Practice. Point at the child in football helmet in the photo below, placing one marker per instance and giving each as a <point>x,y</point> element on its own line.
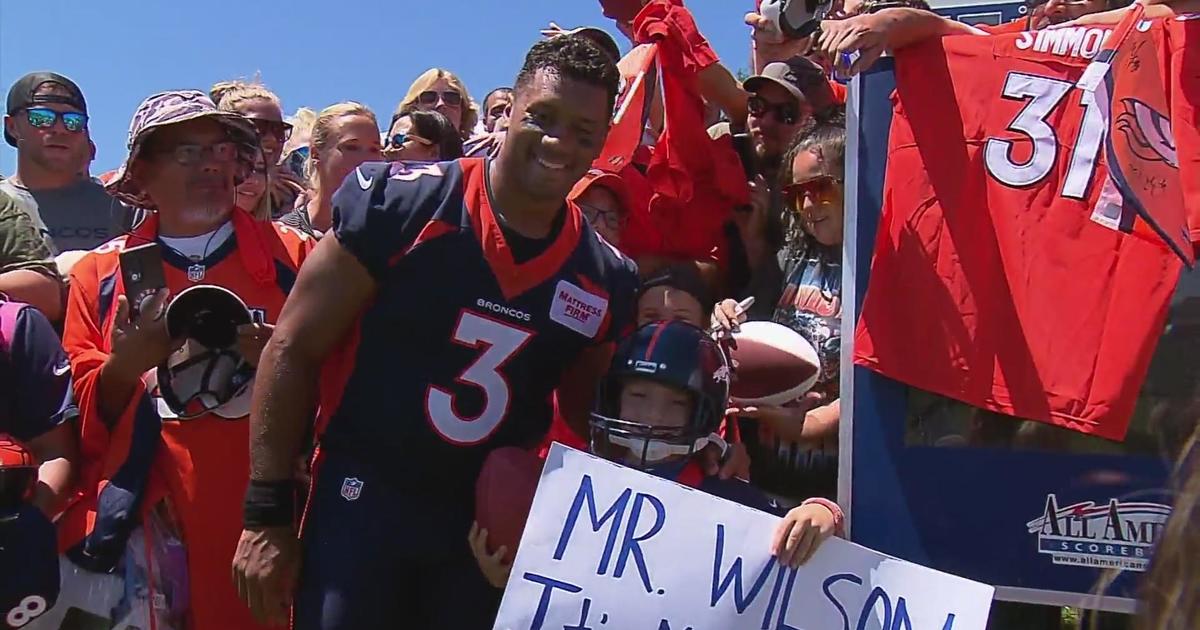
<point>658,407</point>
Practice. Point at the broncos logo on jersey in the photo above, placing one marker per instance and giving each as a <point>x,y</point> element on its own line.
<point>1140,148</point>
<point>1147,132</point>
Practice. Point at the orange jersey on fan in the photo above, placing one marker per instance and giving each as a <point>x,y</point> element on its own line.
<point>201,466</point>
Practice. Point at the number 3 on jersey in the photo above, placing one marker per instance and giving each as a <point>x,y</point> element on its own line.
<point>499,342</point>
<point>1044,94</point>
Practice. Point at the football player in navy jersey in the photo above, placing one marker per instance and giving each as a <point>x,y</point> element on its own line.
<point>453,301</point>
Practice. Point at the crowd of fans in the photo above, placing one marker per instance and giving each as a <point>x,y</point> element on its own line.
<point>778,138</point>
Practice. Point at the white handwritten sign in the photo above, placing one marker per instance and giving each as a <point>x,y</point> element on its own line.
<point>610,547</point>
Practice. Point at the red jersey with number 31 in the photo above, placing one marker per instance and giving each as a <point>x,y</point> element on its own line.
<point>994,281</point>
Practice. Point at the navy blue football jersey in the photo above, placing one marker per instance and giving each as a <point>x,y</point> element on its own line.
<point>463,344</point>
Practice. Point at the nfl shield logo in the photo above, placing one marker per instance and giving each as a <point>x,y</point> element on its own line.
<point>351,488</point>
<point>196,273</point>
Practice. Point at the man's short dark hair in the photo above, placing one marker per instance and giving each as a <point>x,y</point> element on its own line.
<point>499,90</point>
<point>574,58</point>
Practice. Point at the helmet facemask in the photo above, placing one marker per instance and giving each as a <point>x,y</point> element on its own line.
<point>208,374</point>
<point>683,359</point>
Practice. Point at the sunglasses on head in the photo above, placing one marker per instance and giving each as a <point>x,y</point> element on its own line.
<point>44,118</point>
<point>430,97</point>
<point>276,128</point>
<point>296,159</point>
<point>398,140</point>
<point>787,113</point>
<point>819,187</point>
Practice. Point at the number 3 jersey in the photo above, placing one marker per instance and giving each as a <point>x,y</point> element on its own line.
<point>994,281</point>
<point>471,328</point>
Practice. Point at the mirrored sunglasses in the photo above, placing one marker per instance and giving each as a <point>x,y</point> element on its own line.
<point>821,187</point>
<point>398,140</point>
<point>44,118</point>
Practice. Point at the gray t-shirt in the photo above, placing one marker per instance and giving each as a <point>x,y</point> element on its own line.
<point>79,216</point>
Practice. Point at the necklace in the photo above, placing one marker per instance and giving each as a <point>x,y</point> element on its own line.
<point>197,269</point>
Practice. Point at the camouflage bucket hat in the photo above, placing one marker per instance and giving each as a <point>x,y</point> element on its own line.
<point>170,108</point>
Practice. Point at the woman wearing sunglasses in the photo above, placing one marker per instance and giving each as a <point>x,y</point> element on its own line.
<point>262,107</point>
<point>793,448</point>
<point>441,91</point>
<point>422,137</point>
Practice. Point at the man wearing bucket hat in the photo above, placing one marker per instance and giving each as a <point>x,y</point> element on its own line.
<point>168,385</point>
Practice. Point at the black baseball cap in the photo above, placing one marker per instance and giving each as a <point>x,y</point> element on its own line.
<point>801,77</point>
<point>682,277</point>
<point>22,95</point>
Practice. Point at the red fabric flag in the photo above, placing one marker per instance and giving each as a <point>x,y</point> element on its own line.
<point>692,183</point>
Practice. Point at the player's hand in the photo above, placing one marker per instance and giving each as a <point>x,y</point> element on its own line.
<point>266,567</point>
<point>800,533</point>
<point>251,340</point>
<point>786,422</point>
<point>140,342</point>
<point>867,35</point>
<point>495,567</point>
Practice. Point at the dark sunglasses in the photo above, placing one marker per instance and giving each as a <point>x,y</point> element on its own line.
<point>44,118</point>
<point>787,113</point>
<point>277,128</point>
<point>820,187</point>
<point>430,97</point>
<point>398,140</point>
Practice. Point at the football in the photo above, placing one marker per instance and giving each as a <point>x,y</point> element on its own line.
<point>773,364</point>
<point>504,494</point>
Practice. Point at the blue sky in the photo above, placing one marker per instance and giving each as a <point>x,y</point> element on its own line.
<point>312,53</point>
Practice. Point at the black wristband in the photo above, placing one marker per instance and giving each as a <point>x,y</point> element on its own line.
<point>269,504</point>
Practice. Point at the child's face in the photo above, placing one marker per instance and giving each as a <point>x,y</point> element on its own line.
<point>654,404</point>
<point>668,303</point>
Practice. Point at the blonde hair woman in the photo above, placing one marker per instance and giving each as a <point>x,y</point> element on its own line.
<point>441,91</point>
<point>254,101</point>
<point>268,190</point>
<point>343,136</point>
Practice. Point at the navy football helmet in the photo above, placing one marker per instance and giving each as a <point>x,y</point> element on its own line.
<point>676,354</point>
<point>207,374</point>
